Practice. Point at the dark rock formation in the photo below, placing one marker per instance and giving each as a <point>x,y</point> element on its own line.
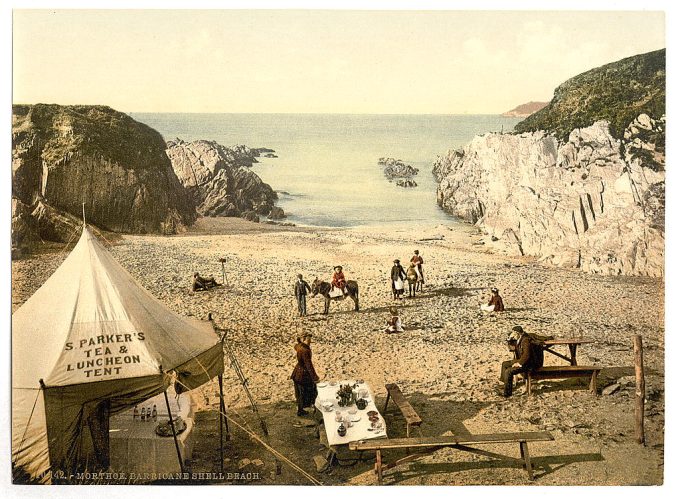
<point>407,183</point>
<point>218,179</point>
<point>594,200</point>
<point>396,168</point>
<point>63,156</point>
<point>250,215</point>
<point>277,213</point>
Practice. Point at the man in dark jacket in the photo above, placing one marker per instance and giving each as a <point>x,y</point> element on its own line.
<point>301,288</point>
<point>528,355</point>
<point>304,376</point>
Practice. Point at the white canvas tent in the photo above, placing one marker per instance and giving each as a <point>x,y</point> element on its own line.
<point>90,342</point>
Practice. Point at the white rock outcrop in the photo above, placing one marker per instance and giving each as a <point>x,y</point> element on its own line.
<point>594,202</point>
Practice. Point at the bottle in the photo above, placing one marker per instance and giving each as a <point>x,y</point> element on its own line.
<point>143,413</point>
<point>154,413</point>
<point>148,413</point>
<point>135,413</point>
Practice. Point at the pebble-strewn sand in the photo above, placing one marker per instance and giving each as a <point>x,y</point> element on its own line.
<point>447,361</point>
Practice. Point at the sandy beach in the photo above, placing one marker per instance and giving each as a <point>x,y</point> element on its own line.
<point>446,362</point>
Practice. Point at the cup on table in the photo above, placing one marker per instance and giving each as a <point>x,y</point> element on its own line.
<point>363,393</point>
<point>338,416</point>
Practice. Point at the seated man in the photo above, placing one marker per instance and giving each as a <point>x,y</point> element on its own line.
<point>495,303</point>
<point>203,284</point>
<point>528,355</point>
<point>338,280</point>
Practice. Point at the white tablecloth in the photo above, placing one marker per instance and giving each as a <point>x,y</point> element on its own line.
<point>358,430</point>
<point>136,448</point>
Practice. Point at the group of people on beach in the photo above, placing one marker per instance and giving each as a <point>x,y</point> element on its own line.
<point>413,276</point>
<point>526,349</point>
<point>527,353</point>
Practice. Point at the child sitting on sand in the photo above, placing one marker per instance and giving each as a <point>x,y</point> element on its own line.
<point>495,303</point>
<point>394,323</point>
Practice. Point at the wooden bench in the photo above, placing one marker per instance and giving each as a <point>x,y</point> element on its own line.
<point>561,372</point>
<point>409,413</point>
<point>431,444</point>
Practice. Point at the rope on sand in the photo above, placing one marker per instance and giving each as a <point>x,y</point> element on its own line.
<point>276,453</point>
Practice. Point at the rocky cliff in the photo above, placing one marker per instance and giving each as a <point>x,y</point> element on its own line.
<point>219,181</point>
<point>594,200</point>
<point>63,156</point>
<point>616,92</point>
<point>524,110</point>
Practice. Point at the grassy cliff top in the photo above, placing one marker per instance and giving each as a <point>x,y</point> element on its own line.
<point>89,130</point>
<point>617,92</point>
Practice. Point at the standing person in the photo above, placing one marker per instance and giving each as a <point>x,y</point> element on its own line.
<point>397,277</point>
<point>304,376</point>
<point>301,288</point>
<point>338,281</point>
<point>528,355</point>
<point>417,260</point>
<point>495,303</point>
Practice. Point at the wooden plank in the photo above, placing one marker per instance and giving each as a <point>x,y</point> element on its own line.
<point>557,354</point>
<point>420,442</point>
<point>411,416</point>
<point>550,369</point>
<point>564,375</point>
<point>639,390</point>
<point>566,341</point>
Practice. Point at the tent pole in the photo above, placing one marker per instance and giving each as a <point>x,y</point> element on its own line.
<point>219,416</point>
<point>174,433</point>
<point>223,406</point>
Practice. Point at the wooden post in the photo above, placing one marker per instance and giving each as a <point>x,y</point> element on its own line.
<point>174,433</point>
<point>639,390</point>
<point>524,452</point>
<point>224,275</point>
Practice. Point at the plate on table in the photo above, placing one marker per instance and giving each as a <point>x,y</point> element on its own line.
<point>355,418</point>
<point>333,383</point>
<point>322,385</point>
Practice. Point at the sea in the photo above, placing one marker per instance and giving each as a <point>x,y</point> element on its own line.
<point>327,173</point>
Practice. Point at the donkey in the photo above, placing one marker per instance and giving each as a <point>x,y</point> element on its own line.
<point>413,283</point>
<point>324,288</point>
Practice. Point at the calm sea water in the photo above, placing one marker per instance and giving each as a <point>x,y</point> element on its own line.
<point>326,172</point>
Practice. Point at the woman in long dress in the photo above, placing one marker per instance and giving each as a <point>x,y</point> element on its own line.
<point>397,276</point>
<point>304,376</point>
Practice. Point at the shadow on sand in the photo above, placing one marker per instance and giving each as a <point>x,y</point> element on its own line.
<point>298,440</point>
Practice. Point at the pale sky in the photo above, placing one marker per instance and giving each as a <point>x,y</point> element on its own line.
<point>299,61</point>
